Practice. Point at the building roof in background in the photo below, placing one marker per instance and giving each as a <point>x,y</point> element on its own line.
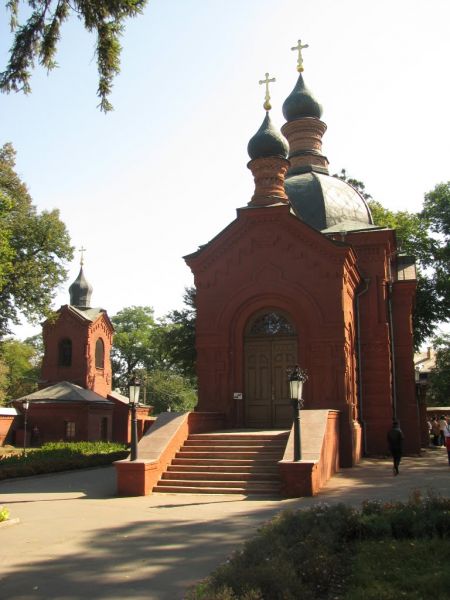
<point>64,391</point>
<point>425,361</point>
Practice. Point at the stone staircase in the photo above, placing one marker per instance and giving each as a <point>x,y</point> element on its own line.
<point>228,462</point>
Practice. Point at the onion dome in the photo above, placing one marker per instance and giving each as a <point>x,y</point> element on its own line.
<point>301,103</point>
<point>327,203</point>
<point>268,141</point>
<point>80,291</point>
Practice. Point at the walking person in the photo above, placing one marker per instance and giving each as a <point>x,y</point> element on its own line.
<point>447,439</point>
<point>442,426</point>
<point>395,442</point>
<point>436,430</point>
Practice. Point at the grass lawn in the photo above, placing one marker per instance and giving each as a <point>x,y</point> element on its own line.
<point>393,569</point>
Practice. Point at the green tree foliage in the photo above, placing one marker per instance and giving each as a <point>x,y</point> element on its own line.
<point>37,38</point>
<point>34,248</point>
<point>162,355</point>
<point>135,343</point>
<point>3,381</point>
<point>177,337</point>
<point>23,370</point>
<point>426,236</point>
<point>439,377</point>
<point>167,390</point>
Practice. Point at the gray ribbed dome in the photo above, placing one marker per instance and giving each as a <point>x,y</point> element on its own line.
<point>325,202</point>
<point>268,141</point>
<point>80,291</point>
<point>301,103</point>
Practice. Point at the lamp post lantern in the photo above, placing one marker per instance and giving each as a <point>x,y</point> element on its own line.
<point>25,406</point>
<point>133,394</point>
<point>297,377</point>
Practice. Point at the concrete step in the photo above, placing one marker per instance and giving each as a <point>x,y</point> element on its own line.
<point>226,442</point>
<point>218,476</point>
<point>239,454</point>
<point>226,463</point>
<point>221,467</point>
<point>235,462</point>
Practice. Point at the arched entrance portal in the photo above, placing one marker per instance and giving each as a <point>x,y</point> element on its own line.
<point>270,349</point>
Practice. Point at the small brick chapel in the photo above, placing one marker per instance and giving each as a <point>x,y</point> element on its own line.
<point>75,401</point>
<point>304,276</point>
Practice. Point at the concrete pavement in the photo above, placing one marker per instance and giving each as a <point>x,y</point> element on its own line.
<point>76,539</point>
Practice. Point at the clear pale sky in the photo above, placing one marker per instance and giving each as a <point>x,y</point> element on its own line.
<point>165,172</point>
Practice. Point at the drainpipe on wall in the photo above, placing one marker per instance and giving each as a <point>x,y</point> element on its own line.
<point>358,353</point>
<point>391,336</point>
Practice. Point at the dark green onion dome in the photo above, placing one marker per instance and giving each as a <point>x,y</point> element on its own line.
<point>268,141</point>
<point>301,103</point>
<point>80,291</point>
<point>327,203</point>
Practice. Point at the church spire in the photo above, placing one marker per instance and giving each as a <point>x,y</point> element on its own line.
<point>268,150</point>
<point>81,290</point>
<point>304,129</point>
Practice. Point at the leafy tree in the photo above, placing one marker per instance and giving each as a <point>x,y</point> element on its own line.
<point>34,248</point>
<point>426,236</point>
<point>167,390</point>
<point>439,377</point>
<point>22,370</point>
<point>178,337</point>
<point>135,344</point>
<point>38,37</point>
<point>3,381</point>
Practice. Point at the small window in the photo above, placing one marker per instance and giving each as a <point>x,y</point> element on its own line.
<point>99,354</point>
<point>65,353</point>
<point>70,430</point>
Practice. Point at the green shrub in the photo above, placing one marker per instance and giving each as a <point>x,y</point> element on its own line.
<point>312,554</point>
<point>61,456</point>
<point>4,513</point>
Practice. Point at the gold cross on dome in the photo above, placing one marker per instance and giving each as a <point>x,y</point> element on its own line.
<point>82,250</point>
<point>267,104</point>
<point>299,47</point>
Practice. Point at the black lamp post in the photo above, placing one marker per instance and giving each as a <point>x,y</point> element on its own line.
<point>296,379</point>
<point>133,394</point>
<point>25,405</point>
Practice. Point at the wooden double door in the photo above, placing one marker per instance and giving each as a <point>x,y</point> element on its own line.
<point>267,402</point>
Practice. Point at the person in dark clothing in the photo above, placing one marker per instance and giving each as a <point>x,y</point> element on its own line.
<point>395,442</point>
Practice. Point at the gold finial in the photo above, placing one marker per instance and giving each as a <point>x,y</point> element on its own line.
<point>267,104</point>
<point>82,250</point>
<point>299,48</point>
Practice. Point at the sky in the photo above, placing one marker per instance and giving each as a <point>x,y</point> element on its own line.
<point>145,185</point>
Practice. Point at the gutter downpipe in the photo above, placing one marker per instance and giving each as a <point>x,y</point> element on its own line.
<point>391,335</point>
<point>358,344</point>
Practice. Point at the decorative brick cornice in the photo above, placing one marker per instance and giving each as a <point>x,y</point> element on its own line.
<point>305,142</point>
<point>269,174</point>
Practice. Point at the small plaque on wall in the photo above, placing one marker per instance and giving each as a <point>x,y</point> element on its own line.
<point>237,395</point>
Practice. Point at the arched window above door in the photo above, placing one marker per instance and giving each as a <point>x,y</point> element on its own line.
<point>270,323</point>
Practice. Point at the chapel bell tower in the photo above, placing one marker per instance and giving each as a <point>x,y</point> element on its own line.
<point>77,343</point>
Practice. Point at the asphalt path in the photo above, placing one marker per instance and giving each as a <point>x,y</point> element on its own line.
<point>76,539</point>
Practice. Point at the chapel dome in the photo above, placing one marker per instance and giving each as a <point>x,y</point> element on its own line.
<point>80,291</point>
<point>327,203</point>
<point>268,141</point>
<point>301,103</point>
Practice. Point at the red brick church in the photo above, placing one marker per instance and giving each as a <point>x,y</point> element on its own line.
<point>303,275</point>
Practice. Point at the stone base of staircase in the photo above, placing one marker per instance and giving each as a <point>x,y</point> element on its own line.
<point>228,462</point>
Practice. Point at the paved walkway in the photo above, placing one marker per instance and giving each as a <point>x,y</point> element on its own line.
<point>76,540</point>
